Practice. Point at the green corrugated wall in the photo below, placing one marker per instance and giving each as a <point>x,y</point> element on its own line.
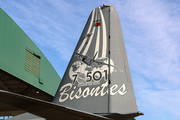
<point>13,45</point>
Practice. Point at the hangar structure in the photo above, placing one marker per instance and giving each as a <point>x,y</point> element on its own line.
<point>23,67</point>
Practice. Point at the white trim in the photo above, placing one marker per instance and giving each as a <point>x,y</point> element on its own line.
<point>84,41</point>
<point>104,44</point>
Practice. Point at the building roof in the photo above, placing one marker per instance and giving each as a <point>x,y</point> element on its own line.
<point>23,67</point>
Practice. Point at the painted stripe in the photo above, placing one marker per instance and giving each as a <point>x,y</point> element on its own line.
<point>90,26</point>
<point>104,45</point>
<point>90,39</point>
<point>97,43</point>
<point>89,43</point>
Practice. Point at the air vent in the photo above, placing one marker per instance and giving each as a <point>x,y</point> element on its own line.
<point>32,63</point>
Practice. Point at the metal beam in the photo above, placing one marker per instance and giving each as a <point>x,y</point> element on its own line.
<point>4,86</point>
<point>27,90</point>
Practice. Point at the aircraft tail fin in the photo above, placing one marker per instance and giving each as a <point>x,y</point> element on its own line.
<point>98,79</point>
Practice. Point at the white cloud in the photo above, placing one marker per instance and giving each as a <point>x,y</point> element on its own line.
<point>151,32</point>
<point>153,45</point>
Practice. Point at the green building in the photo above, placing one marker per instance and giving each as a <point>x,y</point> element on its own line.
<point>23,67</point>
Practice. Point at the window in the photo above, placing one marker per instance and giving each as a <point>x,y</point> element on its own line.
<point>32,63</point>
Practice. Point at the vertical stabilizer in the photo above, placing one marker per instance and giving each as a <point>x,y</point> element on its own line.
<point>122,98</point>
<point>98,79</point>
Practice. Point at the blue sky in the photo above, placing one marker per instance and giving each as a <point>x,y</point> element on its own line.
<point>151,30</point>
